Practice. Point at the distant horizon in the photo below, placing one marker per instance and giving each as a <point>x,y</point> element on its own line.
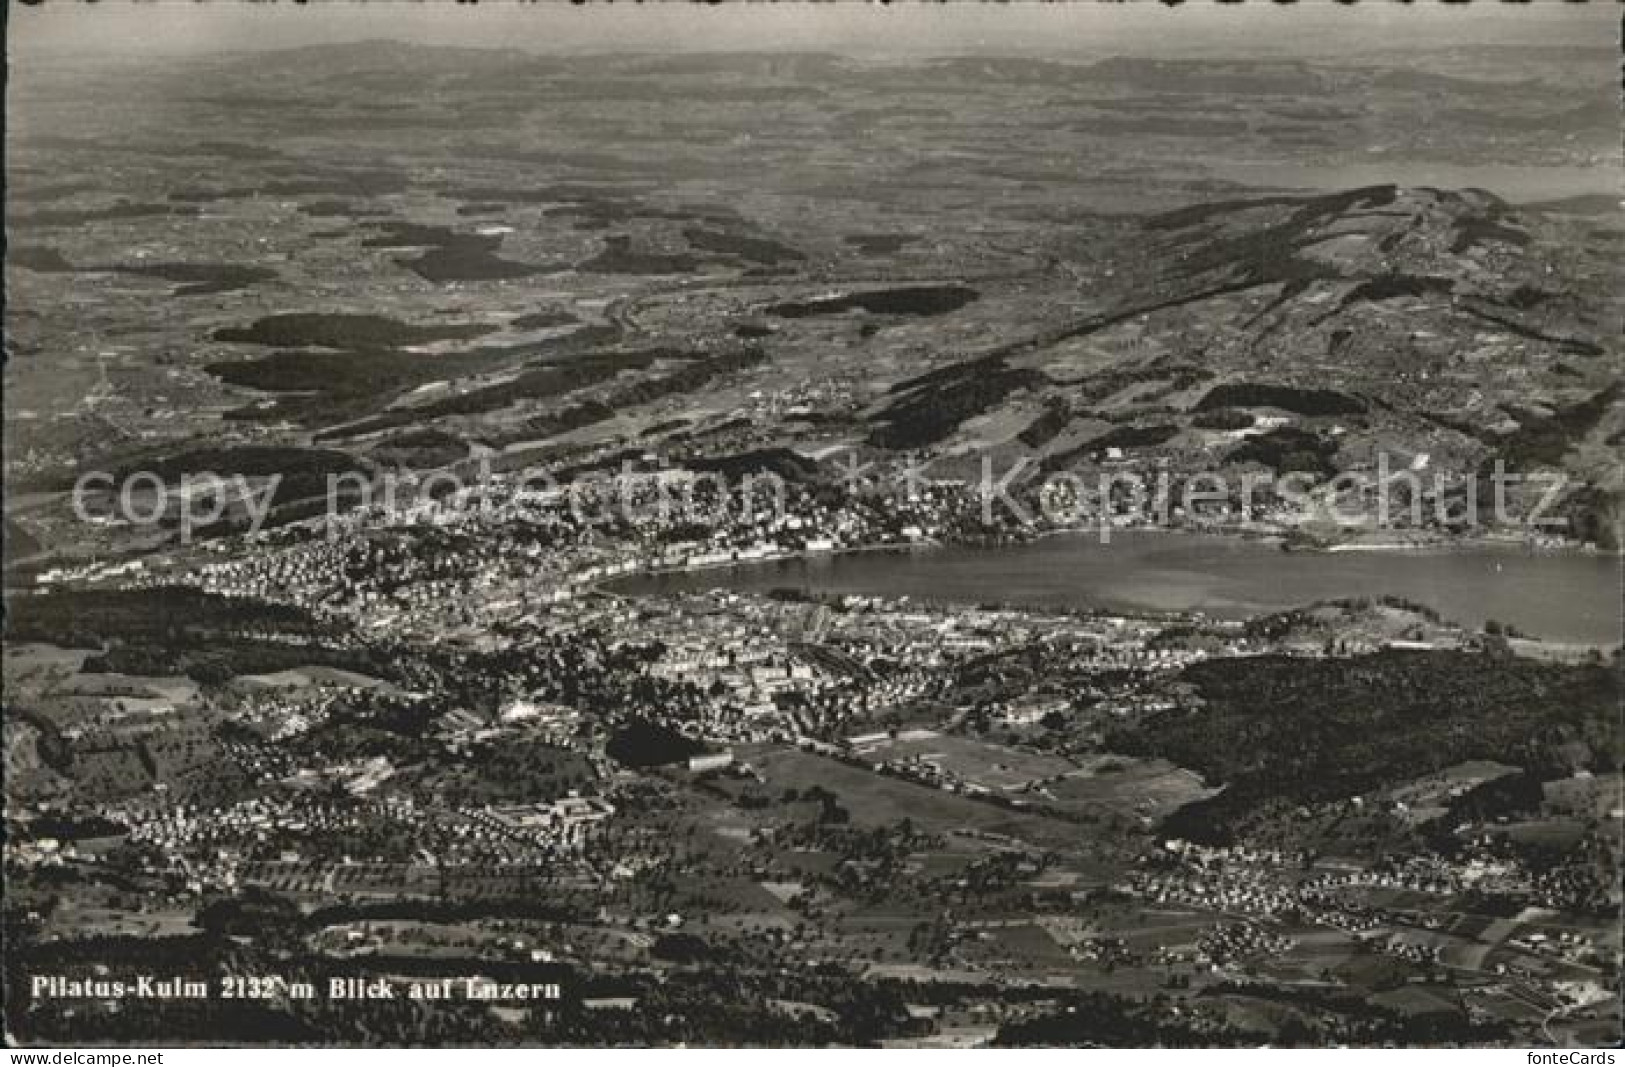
<point>1077,30</point>
<point>1076,56</point>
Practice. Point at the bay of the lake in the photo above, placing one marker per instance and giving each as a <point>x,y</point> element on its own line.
<point>1567,596</point>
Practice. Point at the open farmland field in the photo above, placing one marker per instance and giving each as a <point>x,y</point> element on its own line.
<point>876,799</point>
<point>990,766</point>
<point>1127,787</point>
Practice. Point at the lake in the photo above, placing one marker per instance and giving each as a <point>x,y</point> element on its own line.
<point>1561,596</point>
<point>1519,183</point>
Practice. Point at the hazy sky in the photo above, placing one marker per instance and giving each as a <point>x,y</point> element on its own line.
<point>130,27</point>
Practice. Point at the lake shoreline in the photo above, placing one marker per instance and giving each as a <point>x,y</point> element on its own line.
<point>1559,594</point>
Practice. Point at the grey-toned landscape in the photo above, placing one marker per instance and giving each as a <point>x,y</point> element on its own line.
<point>933,526</point>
